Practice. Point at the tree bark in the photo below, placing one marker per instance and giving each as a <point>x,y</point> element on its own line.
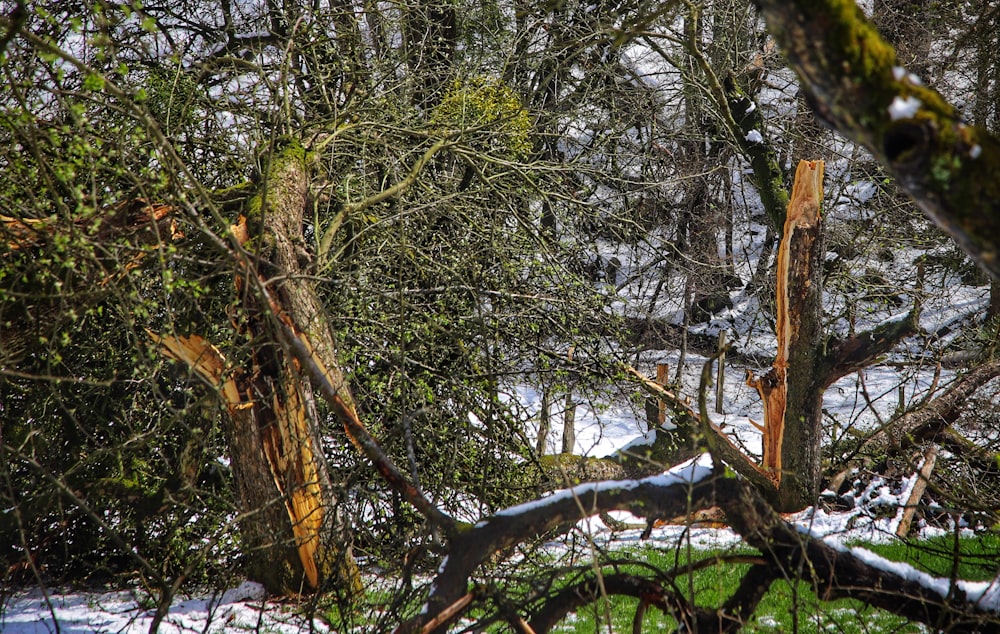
<point>288,435</point>
<point>289,523</point>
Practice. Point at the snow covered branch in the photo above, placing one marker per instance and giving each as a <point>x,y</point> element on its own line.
<point>684,489</point>
<point>786,550</point>
<point>839,572</point>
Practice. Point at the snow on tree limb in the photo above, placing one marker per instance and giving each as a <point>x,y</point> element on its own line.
<point>786,549</point>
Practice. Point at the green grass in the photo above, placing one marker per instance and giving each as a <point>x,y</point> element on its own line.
<point>977,559</point>
<point>788,607</point>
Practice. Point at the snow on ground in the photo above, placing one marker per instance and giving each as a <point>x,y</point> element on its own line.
<point>600,431</point>
<point>240,609</point>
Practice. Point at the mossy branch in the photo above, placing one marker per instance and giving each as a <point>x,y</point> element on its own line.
<point>741,117</point>
<point>854,84</point>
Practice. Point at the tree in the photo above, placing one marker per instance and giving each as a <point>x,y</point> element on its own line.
<point>854,84</point>
<point>836,53</point>
<point>350,195</point>
<point>438,213</point>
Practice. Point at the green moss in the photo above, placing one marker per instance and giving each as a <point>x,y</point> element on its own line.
<point>288,150</point>
<point>944,167</point>
<point>867,56</point>
<point>490,112</point>
<point>566,469</point>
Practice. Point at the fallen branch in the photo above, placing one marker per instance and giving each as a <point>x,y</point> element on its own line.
<point>785,551</point>
<point>923,477</point>
<point>839,572</point>
<point>933,418</point>
<point>690,421</point>
<point>654,497</point>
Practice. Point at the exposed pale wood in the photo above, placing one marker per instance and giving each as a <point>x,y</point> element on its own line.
<point>288,451</point>
<point>448,614</point>
<point>202,357</point>
<point>284,450</point>
<point>923,476</point>
<point>802,224</point>
<point>273,425</point>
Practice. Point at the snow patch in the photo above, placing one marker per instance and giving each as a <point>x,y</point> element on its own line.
<point>753,136</point>
<point>904,108</point>
<point>689,472</point>
<point>900,73</point>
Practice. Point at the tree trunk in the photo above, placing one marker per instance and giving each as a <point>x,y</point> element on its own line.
<point>290,527</point>
<point>806,363</point>
<point>791,395</point>
<point>792,390</point>
<point>292,446</point>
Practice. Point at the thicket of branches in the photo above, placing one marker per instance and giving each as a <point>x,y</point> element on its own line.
<point>471,169</point>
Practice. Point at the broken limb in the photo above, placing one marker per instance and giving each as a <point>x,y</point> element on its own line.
<point>691,424</point>
<point>932,420</point>
<point>785,551</point>
<point>836,571</point>
<point>854,353</point>
<point>679,492</point>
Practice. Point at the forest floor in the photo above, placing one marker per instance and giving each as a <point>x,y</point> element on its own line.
<point>867,510</point>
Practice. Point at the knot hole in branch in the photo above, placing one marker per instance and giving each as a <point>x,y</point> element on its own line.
<point>905,142</point>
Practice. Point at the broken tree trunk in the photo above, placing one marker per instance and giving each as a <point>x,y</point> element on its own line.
<point>798,330</point>
<point>806,363</point>
<point>289,523</point>
<point>853,82</point>
<point>288,430</point>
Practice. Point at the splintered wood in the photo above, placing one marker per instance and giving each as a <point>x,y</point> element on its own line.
<point>280,418</point>
<point>802,226</point>
<point>284,441</point>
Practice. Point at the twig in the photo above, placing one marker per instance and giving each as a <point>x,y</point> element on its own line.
<point>448,613</point>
